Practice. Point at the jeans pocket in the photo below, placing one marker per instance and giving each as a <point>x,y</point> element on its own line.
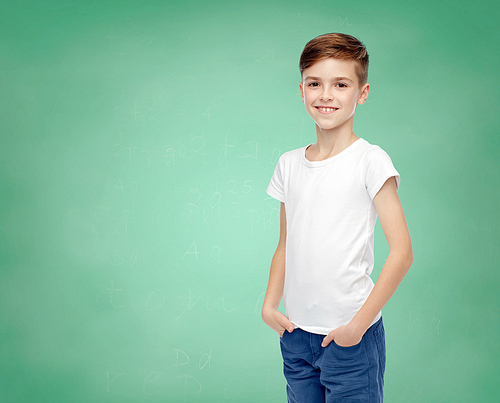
<point>285,335</point>
<point>353,347</point>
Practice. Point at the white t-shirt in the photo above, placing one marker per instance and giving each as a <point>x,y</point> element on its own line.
<point>330,225</point>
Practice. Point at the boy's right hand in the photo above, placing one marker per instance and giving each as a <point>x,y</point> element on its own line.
<point>276,321</point>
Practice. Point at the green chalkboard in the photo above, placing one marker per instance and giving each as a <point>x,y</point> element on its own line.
<point>137,142</point>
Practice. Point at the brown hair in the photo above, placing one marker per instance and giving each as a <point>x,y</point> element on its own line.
<point>338,46</point>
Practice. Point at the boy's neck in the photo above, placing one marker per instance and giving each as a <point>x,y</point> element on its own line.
<point>330,143</point>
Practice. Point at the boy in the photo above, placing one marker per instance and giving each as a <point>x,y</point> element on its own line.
<point>332,338</point>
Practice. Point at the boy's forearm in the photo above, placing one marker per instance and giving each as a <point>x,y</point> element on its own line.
<point>393,272</point>
<point>276,282</point>
<point>270,313</point>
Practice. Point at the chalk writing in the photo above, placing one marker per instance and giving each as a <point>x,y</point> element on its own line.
<point>112,292</point>
<point>190,304</point>
<point>223,302</point>
<point>132,188</point>
<point>153,302</point>
<point>201,143</point>
<point>205,360</point>
<point>223,152</point>
<point>214,207</point>
<point>123,221</point>
<point>109,382</point>
<point>253,156</point>
<point>215,254</point>
<point>150,379</point>
<point>194,384</point>
<point>178,151</point>
<point>150,154</point>
<point>183,360</point>
<point>340,21</point>
<point>118,260</point>
<point>436,329</point>
<point>434,326</point>
<point>271,52</point>
<point>191,251</point>
<point>410,324</point>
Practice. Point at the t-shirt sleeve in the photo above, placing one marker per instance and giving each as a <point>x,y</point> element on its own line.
<point>276,188</point>
<point>379,168</point>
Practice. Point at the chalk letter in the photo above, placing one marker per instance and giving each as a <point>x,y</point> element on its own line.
<point>207,357</point>
<point>177,363</point>
<point>193,245</point>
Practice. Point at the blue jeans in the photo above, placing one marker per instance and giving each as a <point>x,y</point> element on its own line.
<point>331,374</point>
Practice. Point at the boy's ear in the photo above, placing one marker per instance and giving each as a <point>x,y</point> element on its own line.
<point>301,91</point>
<point>363,94</point>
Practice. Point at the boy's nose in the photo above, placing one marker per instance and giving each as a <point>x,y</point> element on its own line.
<point>326,95</point>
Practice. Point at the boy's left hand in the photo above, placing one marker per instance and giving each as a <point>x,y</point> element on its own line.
<point>344,336</point>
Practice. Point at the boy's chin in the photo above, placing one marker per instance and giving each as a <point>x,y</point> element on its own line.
<point>325,128</point>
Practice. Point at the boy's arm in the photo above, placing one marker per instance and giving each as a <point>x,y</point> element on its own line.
<point>393,222</point>
<point>270,314</point>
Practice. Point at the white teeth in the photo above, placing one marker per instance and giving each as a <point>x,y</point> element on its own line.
<point>327,109</point>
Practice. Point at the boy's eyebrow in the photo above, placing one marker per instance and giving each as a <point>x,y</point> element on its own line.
<point>334,78</point>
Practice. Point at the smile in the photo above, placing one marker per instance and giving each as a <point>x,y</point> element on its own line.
<point>325,109</point>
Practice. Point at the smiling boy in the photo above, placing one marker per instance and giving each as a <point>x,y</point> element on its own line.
<point>331,192</point>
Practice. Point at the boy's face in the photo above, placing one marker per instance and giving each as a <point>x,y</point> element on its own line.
<point>330,92</point>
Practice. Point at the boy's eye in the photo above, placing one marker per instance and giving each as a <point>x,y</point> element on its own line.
<point>341,85</point>
<point>313,84</point>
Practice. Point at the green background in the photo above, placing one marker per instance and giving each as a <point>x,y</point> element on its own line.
<point>137,142</point>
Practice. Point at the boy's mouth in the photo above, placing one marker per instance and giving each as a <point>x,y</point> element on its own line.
<point>326,109</point>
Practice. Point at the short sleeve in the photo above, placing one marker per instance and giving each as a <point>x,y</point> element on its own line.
<point>379,168</point>
<point>276,188</point>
